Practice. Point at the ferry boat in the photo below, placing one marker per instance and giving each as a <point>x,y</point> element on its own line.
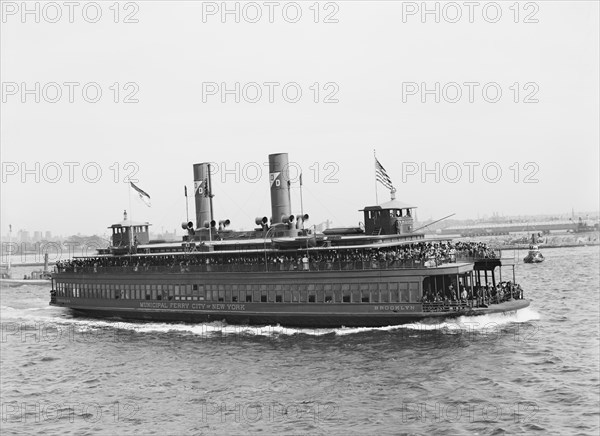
<point>284,272</point>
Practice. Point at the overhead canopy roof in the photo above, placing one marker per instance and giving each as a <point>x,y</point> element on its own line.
<point>129,223</point>
<point>392,204</point>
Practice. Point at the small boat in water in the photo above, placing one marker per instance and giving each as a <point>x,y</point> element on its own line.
<point>36,278</point>
<point>534,255</point>
<point>11,283</point>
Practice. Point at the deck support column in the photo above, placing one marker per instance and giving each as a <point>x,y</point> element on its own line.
<point>487,292</point>
<point>457,289</point>
<point>471,283</point>
<point>444,286</point>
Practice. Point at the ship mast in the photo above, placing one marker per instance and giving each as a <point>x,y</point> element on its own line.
<point>210,197</point>
<point>375,174</point>
<point>10,245</point>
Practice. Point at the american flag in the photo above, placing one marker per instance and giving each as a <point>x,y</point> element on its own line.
<point>143,194</point>
<point>382,176</point>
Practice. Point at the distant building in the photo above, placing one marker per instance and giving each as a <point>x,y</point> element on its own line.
<point>48,235</point>
<point>23,235</point>
<point>37,236</point>
<point>492,229</point>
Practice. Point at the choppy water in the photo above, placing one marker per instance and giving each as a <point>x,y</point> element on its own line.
<point>536,372</point>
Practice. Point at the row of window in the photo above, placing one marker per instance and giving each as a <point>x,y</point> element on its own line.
<point>278,293</point>
<point>136,229</point>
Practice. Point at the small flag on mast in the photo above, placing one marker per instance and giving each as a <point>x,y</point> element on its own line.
<point>143,194</point>
<point>185,190</point>
<point>382,177</point>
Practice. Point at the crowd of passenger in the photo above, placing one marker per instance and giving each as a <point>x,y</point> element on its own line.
<point>482,295</point>
<point>429,254</point>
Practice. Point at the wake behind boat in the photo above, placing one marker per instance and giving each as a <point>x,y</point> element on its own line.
<point>283,272</point>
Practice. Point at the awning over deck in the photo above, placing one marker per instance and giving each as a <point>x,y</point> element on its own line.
<point>448,268</point>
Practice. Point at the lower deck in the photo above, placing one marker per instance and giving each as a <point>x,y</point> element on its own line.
<point>374,286</point>
<point>299,298</point>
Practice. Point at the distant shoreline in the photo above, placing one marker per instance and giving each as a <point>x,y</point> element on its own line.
<point>544,246</point>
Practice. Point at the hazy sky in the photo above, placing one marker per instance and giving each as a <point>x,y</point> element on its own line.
<point>367,73</point>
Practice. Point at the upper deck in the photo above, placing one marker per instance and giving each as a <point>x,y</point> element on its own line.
<point>383,257</point>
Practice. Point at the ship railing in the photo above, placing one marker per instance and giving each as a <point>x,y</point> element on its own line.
<point>311,265</point>
<point>491,254</point>
<point>276,266</point>
<point>447,306</point>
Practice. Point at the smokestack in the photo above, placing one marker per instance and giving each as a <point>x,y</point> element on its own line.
<point>202,193</point>
<point>279,177</point>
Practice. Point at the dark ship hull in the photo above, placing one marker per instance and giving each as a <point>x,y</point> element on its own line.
<point>298,315</point>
